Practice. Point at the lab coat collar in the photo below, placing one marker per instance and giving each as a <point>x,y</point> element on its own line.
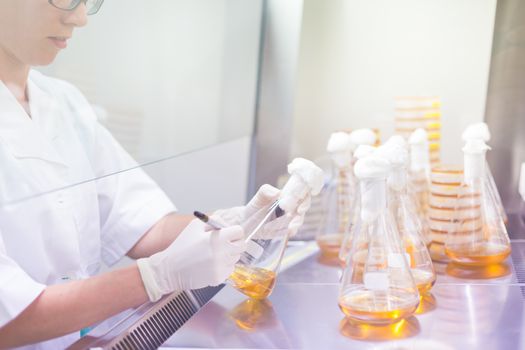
<point>30,137</point>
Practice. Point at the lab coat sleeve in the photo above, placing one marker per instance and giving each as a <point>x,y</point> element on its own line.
<point>17,288</point>
<point>130,201</point>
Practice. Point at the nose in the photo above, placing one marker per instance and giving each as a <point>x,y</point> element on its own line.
<point>77,17</point>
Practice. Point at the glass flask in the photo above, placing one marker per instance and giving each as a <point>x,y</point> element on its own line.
<point>355,208</point>
<point>267,231</point>
<point>479,237</point>
<point>377,286</point>
<point>337,196</point>
<point>402,209</point>
<point>480,131</point>
<point>419,178</point>
<point>444,185</point>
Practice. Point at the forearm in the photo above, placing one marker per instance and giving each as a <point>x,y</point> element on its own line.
<point>66,308</point>
<point>160,236</point>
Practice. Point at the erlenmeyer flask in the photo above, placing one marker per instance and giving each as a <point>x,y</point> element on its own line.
<point>419,177</point>
<point>355,208</point>
<point>479,237</point>
<point>402,208</point>
<point>377,286</point>
<point>480,131</point>
<point>267,231</point>
<point>337,196</point>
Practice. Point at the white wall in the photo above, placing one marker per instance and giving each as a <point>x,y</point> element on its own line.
<point>356,55</point>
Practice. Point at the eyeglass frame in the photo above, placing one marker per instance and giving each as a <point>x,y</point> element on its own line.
<point>75,3</point>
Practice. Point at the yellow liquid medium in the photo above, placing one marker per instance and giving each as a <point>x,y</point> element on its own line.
<point>366,307</point>
<point>481,254</point>
<point>437,252</point>
<point>255,282</point>
<point>424,280</point>
<point>330,244</point>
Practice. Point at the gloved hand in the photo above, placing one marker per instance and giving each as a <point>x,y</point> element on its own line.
<point>256,207</point>
<point>198,258</point>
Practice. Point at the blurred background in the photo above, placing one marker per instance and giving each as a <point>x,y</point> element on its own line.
<point>214,97</point>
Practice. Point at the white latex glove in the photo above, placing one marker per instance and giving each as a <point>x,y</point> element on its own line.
<point>198,258</point>
<point>255,209</point>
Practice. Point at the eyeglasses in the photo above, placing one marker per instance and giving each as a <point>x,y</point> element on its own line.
<point>92,6</point>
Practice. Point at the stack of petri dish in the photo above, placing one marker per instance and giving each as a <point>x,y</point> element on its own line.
<point>445,181</point>
<point>413,112</point>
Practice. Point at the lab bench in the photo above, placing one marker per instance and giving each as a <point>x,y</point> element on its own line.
<point>465,310</point>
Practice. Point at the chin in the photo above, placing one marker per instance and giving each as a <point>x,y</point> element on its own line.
<point>44,60</point>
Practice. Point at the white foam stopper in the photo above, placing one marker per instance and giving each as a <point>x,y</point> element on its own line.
<point>372,172</point>
<point>306,178</point>
<point>340,149</point>
<point>363,137</point>
<point>418,137</point>
<point>476,131</point>
<point>398,140</point>
<point>397,156</point>
<point>363,151</point>
<point>339,142</point>
<point>371,167</point>
<point>419,157</point>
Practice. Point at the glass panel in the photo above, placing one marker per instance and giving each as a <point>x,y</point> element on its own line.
<point>165,77</point>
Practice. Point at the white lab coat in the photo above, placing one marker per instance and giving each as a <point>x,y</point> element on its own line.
<point>66,231</point>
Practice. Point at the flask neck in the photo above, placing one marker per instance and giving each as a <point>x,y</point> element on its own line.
<point>373,198</point>
<point>474,166</point>
<point>419,159</point>
<point>293,192</point>
<point>341,160</point>
<point>397,179</point>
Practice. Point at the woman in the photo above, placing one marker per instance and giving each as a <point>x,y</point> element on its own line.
<point>51,246</point>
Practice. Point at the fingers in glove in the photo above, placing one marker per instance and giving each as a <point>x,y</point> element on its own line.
<point>237,247</point>
<point>232,259</point>
<point>219,221</point>
<point>232,233</point>
<point>231,216</point>
<point>295,224</point>
<point>304,206</point>
<point>223,272</point>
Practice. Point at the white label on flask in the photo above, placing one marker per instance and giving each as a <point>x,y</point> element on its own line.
<point>376,280</point>
<point>395,260</point>
<point>254,249</point>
